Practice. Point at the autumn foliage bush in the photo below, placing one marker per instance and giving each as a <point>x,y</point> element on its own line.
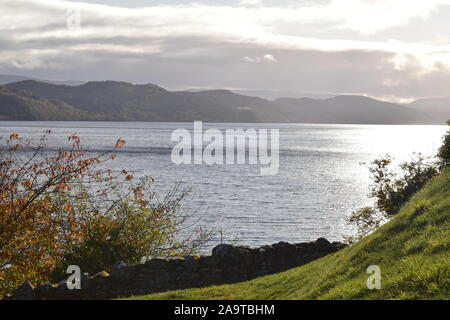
<point>65,207</point>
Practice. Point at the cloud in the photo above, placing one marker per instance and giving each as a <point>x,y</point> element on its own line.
<point>250,2</point>
<point>261,59</point>
<point>198,44</point>
<point>368,16</point>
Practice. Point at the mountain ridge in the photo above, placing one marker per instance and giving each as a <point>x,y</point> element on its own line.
<point>23,105</point>
<point>123,101</point>
<point>8,78</point>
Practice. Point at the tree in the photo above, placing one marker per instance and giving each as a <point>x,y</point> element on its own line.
<point>444,150</point>
<point>59,208</point>
<point>392,189</point>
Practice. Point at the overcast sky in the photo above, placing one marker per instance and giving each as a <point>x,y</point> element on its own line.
<point>391,49</point>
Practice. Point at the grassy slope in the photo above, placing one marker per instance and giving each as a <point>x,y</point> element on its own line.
<point>412,250</point>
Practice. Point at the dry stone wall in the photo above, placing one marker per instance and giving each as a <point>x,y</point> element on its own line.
<point>227,264</point>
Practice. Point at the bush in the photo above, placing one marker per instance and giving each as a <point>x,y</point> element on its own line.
<point>132,234</point>
<point>444,150</point>
<point>392,189</point>
<point>59,208</point>
<point>367,220</point>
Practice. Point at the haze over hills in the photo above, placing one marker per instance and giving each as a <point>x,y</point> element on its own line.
<point>122,101</point>
<point>6,78</point>
<point>440,107</point>
<point>276,94</point>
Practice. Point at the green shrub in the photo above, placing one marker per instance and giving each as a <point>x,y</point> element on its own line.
<point>133,233</point>
<point>444,150</point>
<point>366,220</point>
<point>392,189</point>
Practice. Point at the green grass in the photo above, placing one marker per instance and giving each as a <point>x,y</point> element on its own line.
<point>412,250</point>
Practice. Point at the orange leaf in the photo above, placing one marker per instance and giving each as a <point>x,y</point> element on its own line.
<point>120,143</point>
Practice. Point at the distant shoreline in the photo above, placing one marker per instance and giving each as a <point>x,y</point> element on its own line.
<point>221,123</point>
<point>122,101</point>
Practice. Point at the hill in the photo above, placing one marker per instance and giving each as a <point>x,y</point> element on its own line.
<point>437,107</point>
<point>6,78</point>
<point>127,102</point>
<point>412,251</point>
<point>122,101</point>
<point>349,109</point>
<point>22,105</point>
<point>275,94</point>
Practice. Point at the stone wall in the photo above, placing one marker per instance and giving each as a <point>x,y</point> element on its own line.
<point>227,264</point>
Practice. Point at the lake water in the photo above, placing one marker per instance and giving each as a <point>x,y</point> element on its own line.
<point>319,183</point>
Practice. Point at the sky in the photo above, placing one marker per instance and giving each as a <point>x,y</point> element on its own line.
<point>394,50</point>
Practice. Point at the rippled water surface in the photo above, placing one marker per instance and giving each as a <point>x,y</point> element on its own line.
<point>320,180</point>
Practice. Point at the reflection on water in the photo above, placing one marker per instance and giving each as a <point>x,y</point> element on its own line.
<point>320,180</point>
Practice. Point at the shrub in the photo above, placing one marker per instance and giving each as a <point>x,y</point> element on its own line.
<point>133,233</point>
<point>366,220</point>
<point>444,150</point>
<point>392,189</point>
<point>60,208</point>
